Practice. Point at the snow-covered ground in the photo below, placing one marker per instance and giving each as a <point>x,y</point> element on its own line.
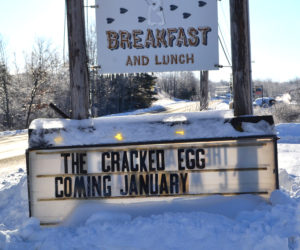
<point>165,103</point>
<point>243,222</point>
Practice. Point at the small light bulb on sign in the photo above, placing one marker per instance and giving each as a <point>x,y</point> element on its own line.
<point>119,137</point>
<point>180,132</point>
<point>58,140</point>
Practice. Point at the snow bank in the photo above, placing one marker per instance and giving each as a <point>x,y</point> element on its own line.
<point>285,98</point>
<point>289,132</point>
<point>243,222</point>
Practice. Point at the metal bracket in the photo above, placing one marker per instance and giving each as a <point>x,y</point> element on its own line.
<point>222,66</point>
<point>94,67</point>
<point>92,6</point>
<point>58,111</point>
<point>218,66</point>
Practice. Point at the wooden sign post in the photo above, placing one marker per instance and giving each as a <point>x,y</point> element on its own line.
<point>79,84</point>
<point>241,58</point>
<point>203,90</point>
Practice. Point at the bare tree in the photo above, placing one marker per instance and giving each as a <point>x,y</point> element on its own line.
<point>91,46</point>
<point>4,93</point>
<point>40,66</point>
<point>180,85</point>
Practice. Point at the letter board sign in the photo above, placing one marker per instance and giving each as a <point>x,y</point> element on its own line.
<point>156,35</point>
<point>63,178</point>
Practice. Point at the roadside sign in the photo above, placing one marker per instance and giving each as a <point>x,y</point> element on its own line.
<point>155,35</point>
<point>62,179</point>
<point>172,160</point>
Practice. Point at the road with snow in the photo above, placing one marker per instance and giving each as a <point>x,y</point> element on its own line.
<point>12,149</point>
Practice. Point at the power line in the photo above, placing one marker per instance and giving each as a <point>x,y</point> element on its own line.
<point>221,37</point>
<point>225,18</point>
<point>225,48</point>
<point>224,41</point>
<point>224,51</point>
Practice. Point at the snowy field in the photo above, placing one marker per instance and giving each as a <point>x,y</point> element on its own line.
<point>243,222</point>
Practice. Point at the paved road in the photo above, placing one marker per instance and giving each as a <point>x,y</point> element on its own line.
<point>12,149</point>
<point>181,107</point>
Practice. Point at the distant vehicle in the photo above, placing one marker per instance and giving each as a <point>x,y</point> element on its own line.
<point>264,102</point>
<point>224,96</point>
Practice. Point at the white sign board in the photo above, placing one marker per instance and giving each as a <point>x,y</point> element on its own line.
<point>156,35</point>
<point>62,179</point>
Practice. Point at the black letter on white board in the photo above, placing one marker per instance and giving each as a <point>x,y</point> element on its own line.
<point>61,193</point>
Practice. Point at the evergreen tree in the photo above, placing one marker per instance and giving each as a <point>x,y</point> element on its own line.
<point>121,93</point>
<point>143,91</point>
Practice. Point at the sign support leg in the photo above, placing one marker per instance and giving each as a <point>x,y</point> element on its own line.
<point>241,61</point>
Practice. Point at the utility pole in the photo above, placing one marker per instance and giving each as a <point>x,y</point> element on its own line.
<point>241,57</point>
<point>203,90</point>
<point>79,84</point>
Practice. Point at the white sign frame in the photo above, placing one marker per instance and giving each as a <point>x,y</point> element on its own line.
<point>231,167</point>
<point>155,36</point>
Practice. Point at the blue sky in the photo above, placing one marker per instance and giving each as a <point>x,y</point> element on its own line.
<point>275,33</point>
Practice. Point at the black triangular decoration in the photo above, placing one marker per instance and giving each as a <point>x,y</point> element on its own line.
<point>110,20</point>
<point>141,19</point>
<point>123,10</point>
<point>186,15</point>
<point>202,3</point>
<point>173,7</point>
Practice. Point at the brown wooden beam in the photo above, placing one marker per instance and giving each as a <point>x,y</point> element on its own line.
<point>79,85</point>
<point>241,57</point>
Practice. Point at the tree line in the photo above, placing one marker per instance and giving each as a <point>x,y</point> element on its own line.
<point>26,94</point>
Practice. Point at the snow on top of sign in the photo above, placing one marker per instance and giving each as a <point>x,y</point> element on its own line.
<point>139,129</point>
<point>125,120</point>
<point>175,118</point>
